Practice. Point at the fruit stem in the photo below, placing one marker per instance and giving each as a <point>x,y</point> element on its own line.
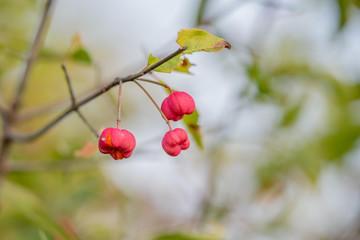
<point>157,106</point>
<point>119,106</point>
<point>155,82</point>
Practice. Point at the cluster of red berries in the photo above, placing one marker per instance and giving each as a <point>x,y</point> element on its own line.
<point>121,143</point>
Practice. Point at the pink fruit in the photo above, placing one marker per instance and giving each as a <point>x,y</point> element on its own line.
<point>177,104</point>
<point>118,143</point>
<point>174,141</point>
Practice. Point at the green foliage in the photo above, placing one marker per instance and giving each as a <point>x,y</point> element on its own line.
<point>167,67</point>
<point>184,66</point>
<point>28,209</point>
<point>81,55</point>
<point>192,125</point>
<point>344,11</point>
<point>180,236</point>
<point>195,40</point>
<point>291,114</point>
<point>47,186</point>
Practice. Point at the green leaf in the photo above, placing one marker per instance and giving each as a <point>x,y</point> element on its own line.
<point>180,236</point>
<point>199,40</point>
<point>43,235</point>
<point>340,140</point>
<point>168,66</point>
<point>195,40</point>
<point>29,209</point>
<point>272,172</point>
<point>343,13</point>
<point>184,66</point>
<point>81,55</point>
<point>290,116</point>
<point>193,127</point>
<point>309,161</point>
<point>356,2</point>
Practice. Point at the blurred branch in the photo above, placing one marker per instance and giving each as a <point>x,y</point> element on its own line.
<point>73,101</point>
<point>96,93</point>
<point>33,53</point>
<point>10,115</point>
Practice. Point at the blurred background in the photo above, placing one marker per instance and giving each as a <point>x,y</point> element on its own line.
<point>279,117</point>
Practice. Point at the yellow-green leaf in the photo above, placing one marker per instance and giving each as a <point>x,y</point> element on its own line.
<point>30,209</point>
<point>193,127</point>
<point>180,236</point>
<point>199,40</point>
<point>166,67</point>
<point>184,66</point>
<point>81,55</point>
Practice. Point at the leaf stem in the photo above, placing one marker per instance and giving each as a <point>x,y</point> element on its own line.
<point>156,105</point>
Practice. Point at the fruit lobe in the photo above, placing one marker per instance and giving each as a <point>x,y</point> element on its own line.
<point>177,104</point>
<point>174,141</point>
<point>119,143</point>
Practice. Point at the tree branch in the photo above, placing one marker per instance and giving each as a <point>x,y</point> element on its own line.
<point>9,116</point>
<point>73,102</point>
<point>95,94</point>
<point>32,55</point>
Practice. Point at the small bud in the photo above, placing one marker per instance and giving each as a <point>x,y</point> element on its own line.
<point>177,104</point>
<point>118,143</point>
<point>174,141</point>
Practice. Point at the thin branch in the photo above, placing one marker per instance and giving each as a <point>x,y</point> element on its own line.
<point>155,82</point>
<point>73,102</point>
<point>10,115</point>
<point>157,106</point>
<point>93,130</point>
<point>68,81</point>
<point>33,53</point>
<point>95,94</point>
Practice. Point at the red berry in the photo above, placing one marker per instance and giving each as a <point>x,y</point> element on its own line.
<point>118,143</point>
<point>177,104</point>
<point>174,141</point>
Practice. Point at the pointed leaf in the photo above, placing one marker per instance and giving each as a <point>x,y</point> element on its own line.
<point>76,43</point>
<point>290,116</point>
<point>184,66</point>
<point>168,66</point>
<point>81,55</point>
<point>76,50</point>
<point>193,127</point>
<point>199,40</point>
